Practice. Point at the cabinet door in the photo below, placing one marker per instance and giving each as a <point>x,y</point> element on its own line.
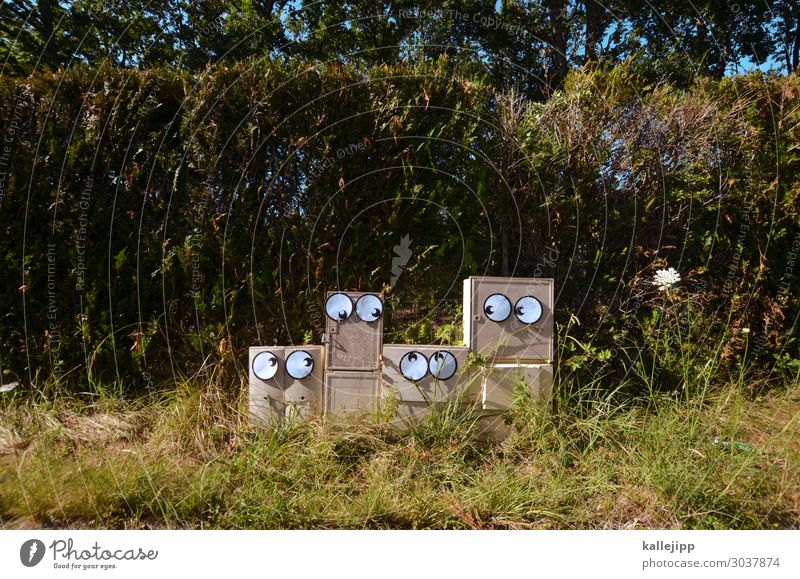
<point>510,319</point>
<point>501,381</point>
<point>351,391</point>
<point>304,378</point>
<point>424,373</point>
<point>266,381</point>
<point>354,342</point>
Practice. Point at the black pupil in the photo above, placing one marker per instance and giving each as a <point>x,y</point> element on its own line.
<point>489,310</point>
<point>273,361</point>
<point>412,358</point>
<point>308,361</point>
<point>376,312</point>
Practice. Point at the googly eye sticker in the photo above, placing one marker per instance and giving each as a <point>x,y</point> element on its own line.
<point>443,365</point>
<point>338,307</point>
<point>299,364</point>
<point>265,365</point>
<point>369,308</point>
<point>528,310</point>
<point>497,307</point>
<point>414,365</point>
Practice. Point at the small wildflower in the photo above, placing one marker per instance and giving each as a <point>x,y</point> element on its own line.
<point>664,279</point>
<point>8,387</point>
<point>745,330</point>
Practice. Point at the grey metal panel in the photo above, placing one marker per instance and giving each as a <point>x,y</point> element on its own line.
<point>500,381</point>
<point>413,400</point>
<point>351,391</point>
<point>353,344</point>
<point>429,388</point>
<point>266,404</point>
<point>466,311</point>
<point>305,393</point>
<point>509,339</point>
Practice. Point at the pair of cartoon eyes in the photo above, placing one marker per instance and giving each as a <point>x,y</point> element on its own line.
<point>339,307</point>
<point>414,365</point>
<point>497,308</point>
<point>299,365</point>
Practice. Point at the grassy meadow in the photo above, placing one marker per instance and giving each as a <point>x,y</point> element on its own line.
<point>197,186</point>
<point>189,459</point>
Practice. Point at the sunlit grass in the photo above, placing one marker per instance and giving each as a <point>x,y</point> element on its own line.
<point>588,460</point>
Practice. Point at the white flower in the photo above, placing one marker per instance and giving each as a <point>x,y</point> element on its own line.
<point>666,278</point>
<point>8,387</point>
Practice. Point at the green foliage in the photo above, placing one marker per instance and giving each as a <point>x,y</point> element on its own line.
<point>170,221</point>
<point>530,45</point>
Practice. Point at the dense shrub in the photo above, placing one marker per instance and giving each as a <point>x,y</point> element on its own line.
<point>154,220</point>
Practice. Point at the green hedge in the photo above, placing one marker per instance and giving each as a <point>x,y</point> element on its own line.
<point>156,220</point>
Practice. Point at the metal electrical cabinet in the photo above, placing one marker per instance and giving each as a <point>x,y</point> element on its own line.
<point>351,391</point>
<point>509,319</point>
<point>419,376</point>
<point>266,389</point>
<point>353,330</point>
<point>285,377</point>
<point>499,386</point>
<point>500,381</point>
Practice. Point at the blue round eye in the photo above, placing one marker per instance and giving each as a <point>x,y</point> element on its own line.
<point>528,310</point>
<point>265,365</point>
<point>443,365</point>
<point>497,307</point>
<point>414,365</point>
<point>299,364</point>
<point>338,307</point>
<point>369,308</point>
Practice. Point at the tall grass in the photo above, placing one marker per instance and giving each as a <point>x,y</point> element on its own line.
<point>593,458</point>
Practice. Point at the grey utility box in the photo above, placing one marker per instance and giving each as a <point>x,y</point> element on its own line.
<point>500,382</point>
<point>418,376</point>
<point>285,378</point>
<point>509,319</point>
<point>353,330</point>
<point>351,391</point>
